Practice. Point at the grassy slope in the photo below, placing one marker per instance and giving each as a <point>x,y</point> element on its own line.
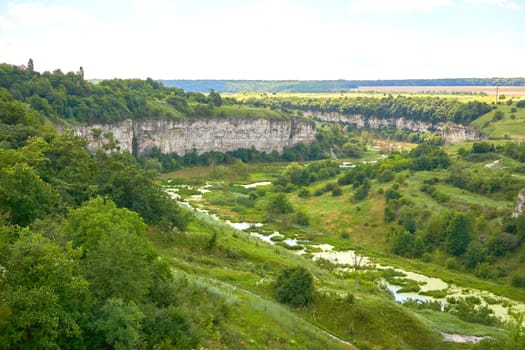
<point>507,128</point>
<point>254,266</point>
<point>239,271</point>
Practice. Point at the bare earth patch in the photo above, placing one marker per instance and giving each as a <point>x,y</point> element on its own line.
<point>461,338</point>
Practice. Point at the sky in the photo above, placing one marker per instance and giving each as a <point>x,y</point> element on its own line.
<point>267,39</point>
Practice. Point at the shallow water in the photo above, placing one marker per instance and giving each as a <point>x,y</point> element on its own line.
<point>402,297</point>
<point>349,259</point>
<point>242,226</point>
<point>265,238</point>
<point>426,283</point>
<point>257,184</point>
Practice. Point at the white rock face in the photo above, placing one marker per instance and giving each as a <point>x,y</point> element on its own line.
<point>451,132</point>
<point>204,135</point>
<point>520,205</point>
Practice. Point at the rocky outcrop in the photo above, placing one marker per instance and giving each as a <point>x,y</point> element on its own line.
<point>451,132</point>
<point>204,135</point>
<point>520,205</point>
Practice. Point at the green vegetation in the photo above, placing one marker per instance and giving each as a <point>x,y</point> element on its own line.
<point>95,254</point>
<point>68,98</point>
<point>295,286</point>
<point>422,108</point>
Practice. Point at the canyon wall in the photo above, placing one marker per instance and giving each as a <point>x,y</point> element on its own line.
<point>203,135</point>
<point>451,132</point>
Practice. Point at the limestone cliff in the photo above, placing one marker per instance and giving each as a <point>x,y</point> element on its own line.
<point>204,135</point>
<point>451,132</point>
<point>520,205</point>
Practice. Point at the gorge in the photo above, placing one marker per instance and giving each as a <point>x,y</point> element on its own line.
<point>451,132</point>
<point>204,135</point>
<point>264,134</point>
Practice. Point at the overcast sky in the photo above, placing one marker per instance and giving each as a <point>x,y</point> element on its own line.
<point>267,39</point>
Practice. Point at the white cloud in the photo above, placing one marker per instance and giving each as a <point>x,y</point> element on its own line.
<point>396,6</point>
<point>6,24</point>
<point>503,3</point>
<point>161,10</point>
<point>268,39</point>
<point>38,14</point>
<point>259,39</point>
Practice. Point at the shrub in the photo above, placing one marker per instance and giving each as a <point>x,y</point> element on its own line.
<point>304,193</point>
<point>518,281</point>
<point>336,191</point>
<point>318,192</point>
<point>330,186</point>
<point>467,311</point>
<point>302,219</point>
<point>498,115</point>
<point>279,204</point>
<point>295,286</point>
<point>452,263</point>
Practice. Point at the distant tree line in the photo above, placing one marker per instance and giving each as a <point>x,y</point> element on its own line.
<point>232,86</point>
<point>427,109</point>
<point>59,95</point>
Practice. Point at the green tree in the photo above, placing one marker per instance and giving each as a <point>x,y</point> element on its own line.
<point>119,324</point>
<point>24,194</point>
<point>279,204</point>
<point>474,254</point>
<point>498,115</point>
<point>129,186</point>
<point>45,294</point>
<point>457,237</point>
<point>214,98</point>
<point>362,190</point>
<point>295,286</point>
<point>403,244</point>
<point>117,255</point>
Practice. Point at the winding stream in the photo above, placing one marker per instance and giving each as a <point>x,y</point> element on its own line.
<point>501,306</point>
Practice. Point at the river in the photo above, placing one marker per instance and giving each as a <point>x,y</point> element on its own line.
<point>349,259</point>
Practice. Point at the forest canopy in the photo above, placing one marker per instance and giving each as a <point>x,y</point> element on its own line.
<point>428,109</point>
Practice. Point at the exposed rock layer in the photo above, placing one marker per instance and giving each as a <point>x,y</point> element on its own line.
<point>451,132</point>
<point>204,135</point>
<point>520,205</point>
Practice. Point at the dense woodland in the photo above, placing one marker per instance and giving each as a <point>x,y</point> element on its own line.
<point>427,109</point>
<point>64,281</point>
<point>67,96</point>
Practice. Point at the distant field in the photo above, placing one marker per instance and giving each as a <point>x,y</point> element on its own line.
<point>510,91</point>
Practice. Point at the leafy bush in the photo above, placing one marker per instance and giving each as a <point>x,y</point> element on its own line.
<point>279,204</point>
<point>336,191</point>
<point>295,286</point>
<point>470,311</point>
<point>301,218</point>
<point>518,281</point>
<point>304,193</point>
